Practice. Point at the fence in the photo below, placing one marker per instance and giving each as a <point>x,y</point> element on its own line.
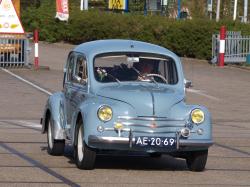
<point>14,51</point>
<point>237,47</point>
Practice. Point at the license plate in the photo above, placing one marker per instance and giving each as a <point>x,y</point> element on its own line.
<point>141,141</point>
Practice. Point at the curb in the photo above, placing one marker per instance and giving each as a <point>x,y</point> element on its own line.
<point>241,67</point>
<point>32,67</point>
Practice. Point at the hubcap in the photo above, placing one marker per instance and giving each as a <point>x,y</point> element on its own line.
<point>80,144</point>
<point>50,139</point>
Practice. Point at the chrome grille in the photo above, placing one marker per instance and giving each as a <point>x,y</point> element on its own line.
<point>151,124</point>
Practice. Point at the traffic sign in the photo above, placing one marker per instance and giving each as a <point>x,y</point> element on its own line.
<point>9,21</point>
<point>118,4</point>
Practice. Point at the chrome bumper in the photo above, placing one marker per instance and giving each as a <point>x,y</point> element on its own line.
<point>128,142</point>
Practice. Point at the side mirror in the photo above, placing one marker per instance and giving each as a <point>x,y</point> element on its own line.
<point>188,83</point>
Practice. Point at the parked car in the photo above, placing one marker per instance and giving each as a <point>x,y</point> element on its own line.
<point>124,95</point>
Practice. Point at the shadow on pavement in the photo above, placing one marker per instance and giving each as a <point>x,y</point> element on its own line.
<point>132,161</point>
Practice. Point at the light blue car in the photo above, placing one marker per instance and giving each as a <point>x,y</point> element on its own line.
<point>125,95</point>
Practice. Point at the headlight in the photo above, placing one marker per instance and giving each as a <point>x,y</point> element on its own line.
<point>105,113</point>
<point>197,116</point>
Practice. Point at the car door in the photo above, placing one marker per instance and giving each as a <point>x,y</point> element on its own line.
<point>80,82</point>
<point>68,86</point>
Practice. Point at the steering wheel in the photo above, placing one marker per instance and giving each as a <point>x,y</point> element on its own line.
<point>157,75</point>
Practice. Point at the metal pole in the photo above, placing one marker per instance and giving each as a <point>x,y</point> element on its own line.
<point>162,7</point>
<point>210,8</point>
<point>81,5</point>
<point>222,46</point>
<point>218,11</point>
<point>245,10</point>
<point>36,39</point>
<point>127,6</point>
<point>145,7</point>
<point>179,9</point>
<point>86,4</point>
<point>235,9</point>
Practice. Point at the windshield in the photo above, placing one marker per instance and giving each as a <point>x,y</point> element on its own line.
<point>135,67</point>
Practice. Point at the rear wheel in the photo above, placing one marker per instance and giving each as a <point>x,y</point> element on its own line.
<point>84,156</point>
<point>196,161</point>
<point>55,147</point>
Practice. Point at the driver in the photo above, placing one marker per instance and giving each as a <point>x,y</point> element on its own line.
<point>147,71</point>
<point>146,67</point>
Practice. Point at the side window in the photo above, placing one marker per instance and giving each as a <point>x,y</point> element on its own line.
<point>70,68</point>
<point>81,70</point>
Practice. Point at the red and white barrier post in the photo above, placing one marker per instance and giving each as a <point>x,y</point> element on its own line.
<point>222,46</point>
<point>36,60</point>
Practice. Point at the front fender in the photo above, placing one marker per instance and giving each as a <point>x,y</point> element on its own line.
<point>183,111</point>
<point>88,111</point>
<point>55,111</point>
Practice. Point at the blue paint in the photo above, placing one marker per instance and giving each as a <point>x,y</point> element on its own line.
<point>179,9</point>
<point>248,59</point>
<point>126,6</point>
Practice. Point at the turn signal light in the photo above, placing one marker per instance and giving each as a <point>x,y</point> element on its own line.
<point>118,126</point>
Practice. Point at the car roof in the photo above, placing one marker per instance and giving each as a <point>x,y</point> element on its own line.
<point>118,45</point>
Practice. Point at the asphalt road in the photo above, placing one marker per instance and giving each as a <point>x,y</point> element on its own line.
<point>25,162</point>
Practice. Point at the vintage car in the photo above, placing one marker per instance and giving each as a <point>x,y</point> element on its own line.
<point>126,96</point>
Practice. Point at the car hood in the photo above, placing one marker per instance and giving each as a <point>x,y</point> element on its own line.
<point>147,100</point>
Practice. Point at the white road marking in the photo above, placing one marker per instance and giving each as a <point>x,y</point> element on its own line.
<point>26,81</point>
<point>23,123</point>
<point>199,92</point>
<point>30,124</point>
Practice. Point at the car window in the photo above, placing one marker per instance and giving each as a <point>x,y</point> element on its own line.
<point>137,67</point>
<point>70,69</point>
<point>80,70</point>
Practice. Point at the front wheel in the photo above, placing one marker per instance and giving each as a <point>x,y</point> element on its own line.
<point>84,156</point>
<point>196,161</point>
<point>55,147</point>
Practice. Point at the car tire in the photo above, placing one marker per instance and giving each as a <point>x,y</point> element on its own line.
<point>55,147</point>
<point>84,156</point>
<point>155,155</point>
<point>196,161</point>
